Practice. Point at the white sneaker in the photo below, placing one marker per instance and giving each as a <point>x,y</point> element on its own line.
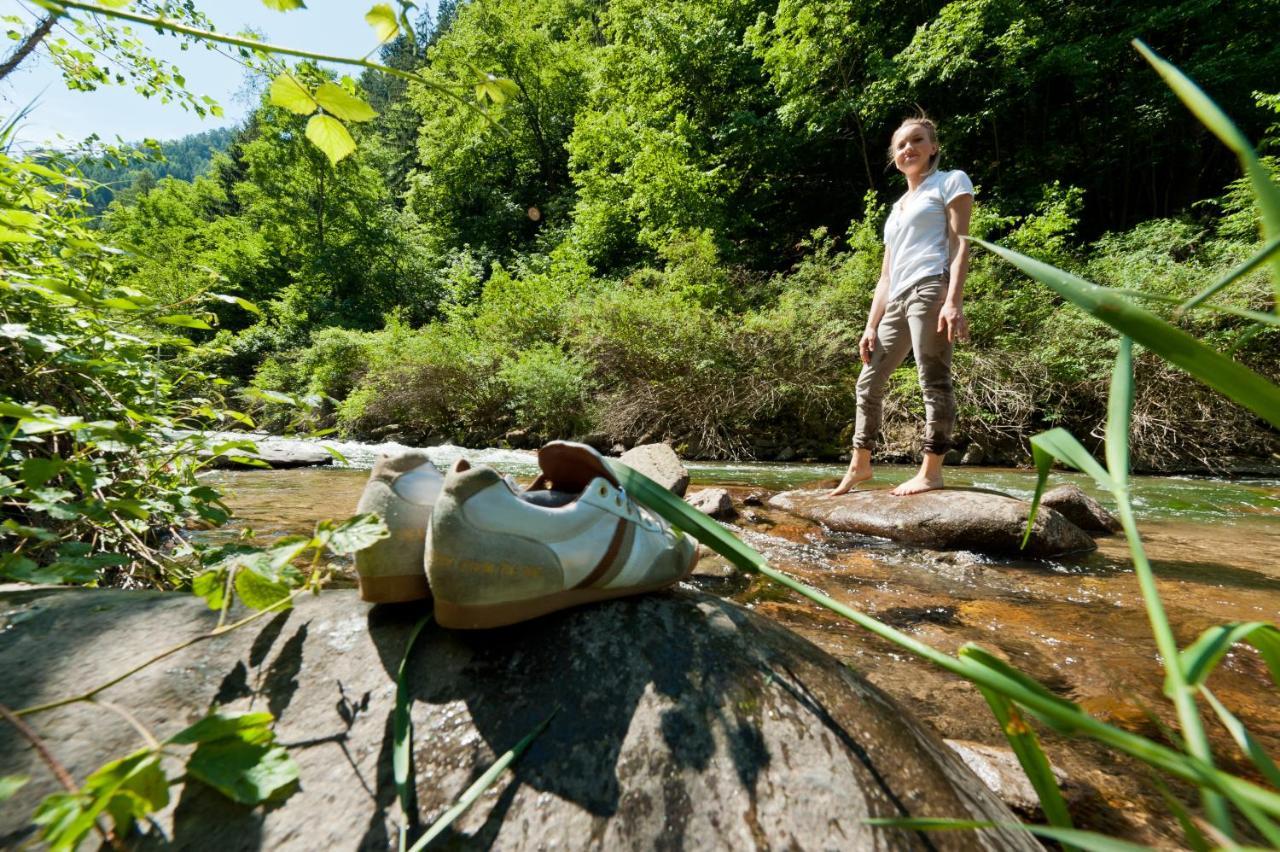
<point>402,491</point>
<point>496,556</point>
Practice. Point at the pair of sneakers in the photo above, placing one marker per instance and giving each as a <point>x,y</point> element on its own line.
<point>493,555</point>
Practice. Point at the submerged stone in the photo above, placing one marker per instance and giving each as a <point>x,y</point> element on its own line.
<point>948,519</point>
<point>680,721</point>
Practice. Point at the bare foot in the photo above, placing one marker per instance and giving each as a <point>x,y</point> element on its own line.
<point>918,484</point>
<point>851,478</point>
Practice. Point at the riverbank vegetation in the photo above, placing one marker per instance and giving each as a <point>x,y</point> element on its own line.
<point>673,231</point>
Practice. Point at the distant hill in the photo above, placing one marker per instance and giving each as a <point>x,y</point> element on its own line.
<point>184,159</point>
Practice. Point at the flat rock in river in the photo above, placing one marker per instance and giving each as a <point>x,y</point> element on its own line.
<point>948,519</point>
<point>682,721</point>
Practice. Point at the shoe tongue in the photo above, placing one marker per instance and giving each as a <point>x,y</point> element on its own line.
<point>571,467</point>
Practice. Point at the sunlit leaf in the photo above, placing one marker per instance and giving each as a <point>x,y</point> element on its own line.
<point>258,591</point>
<point>330,136</point>
<point>211,586</point>
<point>253,728</point>
<point>284,5</point>
<point>10,784</point>
<point>236,300</point>
<point>383,20</point>
<point>244,772</point>
<point>1119,410</point>
<point>357,533</point>
<point>287,93</point>
<point>1202,656</point>
<point>185,321</point>
<point>341,103</point>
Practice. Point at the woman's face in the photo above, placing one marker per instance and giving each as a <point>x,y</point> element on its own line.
<point>913,149</point>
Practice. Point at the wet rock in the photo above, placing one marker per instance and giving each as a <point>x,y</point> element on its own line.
<point>715,502</point>
<point>1081,509</point>
<point>661,464</point>
<point>975,453</point>
<point>949,519</point>
<point>999,769</point>
<point>522,439</point>
<point>684,721</point>
<point>277,452</point>
<point>755,498</point>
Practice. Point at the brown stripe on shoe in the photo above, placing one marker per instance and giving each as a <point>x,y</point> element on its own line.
<point>610,555</point>
<point>620,558</point>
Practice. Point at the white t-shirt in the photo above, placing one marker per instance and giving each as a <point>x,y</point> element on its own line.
<point>916,233</point>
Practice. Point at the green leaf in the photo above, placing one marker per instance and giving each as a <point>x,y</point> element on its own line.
<point>497,89</point>
<point>1211,116</point>
<point>357,533</point>
<point>211,585</point>
<point>1077,837</point>
<point>1031,756</point>
<point>236,300</point>
<point>337,101</point>
<point>383,20</point>
<point>257,591</point>
<point>1119,410</point>
<point>184,320</point>
<point>483,783</point>
<point>287,93</point>
<point>38,471</point>
<point>402,732</point>
<point>284,5</point>
<point>238,756</point>
<point>1201,657</point>
<point>253,728</point>
<point>330,136</point>
<point>10,784</point>
<point>128,789</point>
<point>12,409</point>
<point>1173,344</point>
<point>243,772</point>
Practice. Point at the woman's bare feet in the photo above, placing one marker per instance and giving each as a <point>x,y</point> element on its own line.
<point>859,471</point>
<point>928,479</point>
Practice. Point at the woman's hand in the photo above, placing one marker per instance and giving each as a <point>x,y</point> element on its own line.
<point>951,320</point>
<point>867,344</point>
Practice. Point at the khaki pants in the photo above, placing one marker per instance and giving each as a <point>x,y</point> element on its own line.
<point>910,324</point>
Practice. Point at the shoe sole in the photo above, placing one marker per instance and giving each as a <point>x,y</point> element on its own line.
<point>393,589</point>
<point>485,616</point>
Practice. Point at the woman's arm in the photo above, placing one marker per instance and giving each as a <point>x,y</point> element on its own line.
<point>868,342</point>
<point>951,319</point>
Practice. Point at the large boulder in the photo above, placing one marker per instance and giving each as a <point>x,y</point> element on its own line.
<point>661,464</point>
<point>947,519</point>
<point>276,452</point>
<point>1080,509</point>
<point>680,721</point>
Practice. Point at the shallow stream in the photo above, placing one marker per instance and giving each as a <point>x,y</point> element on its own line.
<point>1076,623</point>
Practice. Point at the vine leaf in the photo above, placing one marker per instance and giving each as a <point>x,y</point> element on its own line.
<point>383,20</point>
<point>287,93</point>
<point>330,136</point>
<point>341,103</point>
<point>237,755</point>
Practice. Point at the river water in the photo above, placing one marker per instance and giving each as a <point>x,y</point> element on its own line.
<point>1077,624</point>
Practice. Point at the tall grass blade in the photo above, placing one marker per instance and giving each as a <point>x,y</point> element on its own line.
<point>1202,656</point>
<point>484,782</point>
<point>1268,251</point>
<point>1059,444</point>
<point>686,518</point>
<point>402,737</point>
<point>1119,411</point>
<point>1196,841</point>
<point>1086,840</point>
<point>1212,117</point>
<point>1251,748</point>
<point>1173,344</point>
<point>1035,764</point>
<point>1243,313</point>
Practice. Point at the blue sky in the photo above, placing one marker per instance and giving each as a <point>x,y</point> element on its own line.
<point>325,26</point>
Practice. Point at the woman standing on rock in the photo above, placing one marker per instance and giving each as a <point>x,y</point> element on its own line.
<point>917,304</point>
